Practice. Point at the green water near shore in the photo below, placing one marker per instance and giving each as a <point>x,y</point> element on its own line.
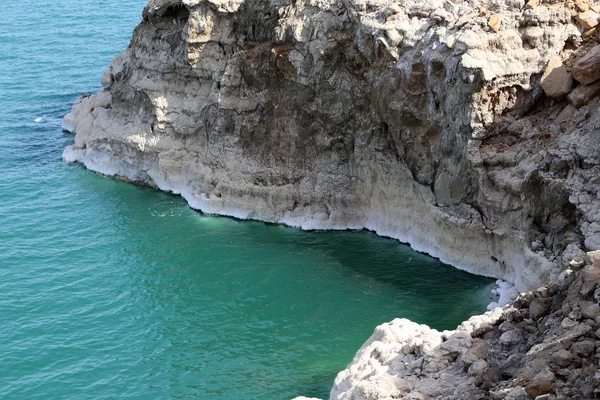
<point>115,291</point>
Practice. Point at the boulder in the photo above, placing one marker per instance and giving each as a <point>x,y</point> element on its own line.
<point>587,69</point>
<point>583,94</point>
<point>539,387</point>
<point>511,337</point>
<point>584,348</point>
<point>565,116</point>
<point>590,309</point>
<point>489,377</point>
<point>588,19</point>
<point>517,393</point>
<point>562,358</point>
<point>478,367</point>
<point>591,273</point>
<point>556,81</point>
<point>512,364</point>
<point>567,323</point>
<point>539,308</point>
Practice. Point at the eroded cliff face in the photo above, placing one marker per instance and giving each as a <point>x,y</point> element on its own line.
<point>421,120</point>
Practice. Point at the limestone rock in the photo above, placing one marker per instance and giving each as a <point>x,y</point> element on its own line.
<point>391,116</point>
<point>556,81</point>
<point>421,125</point>
<point>587,69</point>
<point>588,19</point>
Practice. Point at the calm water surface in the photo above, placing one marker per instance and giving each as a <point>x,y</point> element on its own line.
<point>113,291</point>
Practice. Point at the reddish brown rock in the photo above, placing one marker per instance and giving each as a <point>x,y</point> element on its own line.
<point>591,273</point>
<point>539,308</point>
<point>539,387</point>
<point>587,69</point>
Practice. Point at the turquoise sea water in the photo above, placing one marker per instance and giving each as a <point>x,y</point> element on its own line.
<point>109,291</point>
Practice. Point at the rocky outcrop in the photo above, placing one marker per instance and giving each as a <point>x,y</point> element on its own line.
<point>468,129</point>
<point>424,121</point>
<point>544,345</point>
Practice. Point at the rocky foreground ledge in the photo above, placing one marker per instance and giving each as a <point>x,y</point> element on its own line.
<point>545,345</point>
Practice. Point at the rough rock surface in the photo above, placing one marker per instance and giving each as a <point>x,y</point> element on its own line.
<point>425,121</point>
<point>404,360</point>
<point>413,119</point>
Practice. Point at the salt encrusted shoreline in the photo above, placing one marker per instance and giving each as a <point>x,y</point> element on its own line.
<point>544,345</point>
<point>467,130</point>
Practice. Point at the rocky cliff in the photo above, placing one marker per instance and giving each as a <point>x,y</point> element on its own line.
<point>469,129</point>
<point>424,121</point>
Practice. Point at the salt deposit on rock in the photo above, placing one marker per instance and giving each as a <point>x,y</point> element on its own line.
<point>412,119</point>
<point>437,123</point>
<point>504,354</point>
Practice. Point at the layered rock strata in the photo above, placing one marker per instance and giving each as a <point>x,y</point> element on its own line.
<point>545,345</point>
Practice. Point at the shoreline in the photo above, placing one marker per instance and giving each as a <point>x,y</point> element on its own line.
<point>108,165</point>
<point>456,129</point>
<point>504,290</point>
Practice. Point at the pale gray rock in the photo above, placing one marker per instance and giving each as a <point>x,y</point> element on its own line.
<point>478,367</point>
<point>590,309</point>
<point>562,358</point>
<point>511,337</point>
<point>411,119</point>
